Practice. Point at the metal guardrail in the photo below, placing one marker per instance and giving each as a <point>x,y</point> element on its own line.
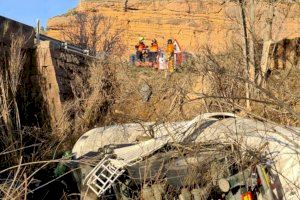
<point>64,45</point>
<point>30,31</point>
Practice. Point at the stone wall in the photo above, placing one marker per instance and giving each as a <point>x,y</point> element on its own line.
<point>57,71</point>
<point>48,75</point>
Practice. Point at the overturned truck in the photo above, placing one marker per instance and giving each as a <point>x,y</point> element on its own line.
<point>213,156</point>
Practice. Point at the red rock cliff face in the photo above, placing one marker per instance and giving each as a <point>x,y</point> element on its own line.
<point>193,23</point>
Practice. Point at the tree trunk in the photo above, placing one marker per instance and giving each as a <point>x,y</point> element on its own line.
<point>246,51</point>
<point>252,66</point>
<point>266,45</point>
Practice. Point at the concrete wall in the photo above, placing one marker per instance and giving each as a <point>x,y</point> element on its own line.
<point>57,71</point>
<point>47,77</point>
<point>48,81</point>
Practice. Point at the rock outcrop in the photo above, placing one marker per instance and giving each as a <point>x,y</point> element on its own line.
<point>196,24</point>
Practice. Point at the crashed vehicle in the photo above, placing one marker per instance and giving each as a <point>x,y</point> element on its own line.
<point>213,156</point>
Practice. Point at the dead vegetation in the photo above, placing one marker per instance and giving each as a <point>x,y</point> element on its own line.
<point>112,94</point>
<point>10,75</point>
<point>93,32</point>
<point>13,136</point>
<point>98,99</point>
<point>276,100</point>
<point>165,97</point>
<point>199,168</point>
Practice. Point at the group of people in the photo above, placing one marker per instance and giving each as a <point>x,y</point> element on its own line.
<point>153,56</point>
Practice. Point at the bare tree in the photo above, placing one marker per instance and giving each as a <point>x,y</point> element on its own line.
<point>93,32</point>
<point>246,49</point>
<point>94,27</point>
<point>267,43</point>
<point>251,41</point>
<point>76,31</point>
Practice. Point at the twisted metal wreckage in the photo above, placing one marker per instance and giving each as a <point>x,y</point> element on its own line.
<point>243,158</point>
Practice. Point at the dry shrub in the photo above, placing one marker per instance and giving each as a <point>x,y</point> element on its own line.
<point>214,68</point>
<point>91,105</point>
<point>101,98</point>
<point>19,144</point>
<point>168,98</point>
<point>95,32</point>
<point>13,61</point>
<point>277,100</point>
<point>284,88</point>
<point>16,187</point>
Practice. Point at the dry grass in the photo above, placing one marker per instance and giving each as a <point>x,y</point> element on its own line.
<point>12,133</point>
<point>168,99</point>
<point>277,100</point>
<point>112,94</point>
<point>10,73</point>
<point>91,105</point>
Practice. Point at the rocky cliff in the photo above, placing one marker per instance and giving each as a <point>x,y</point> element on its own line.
<point>195,24</point>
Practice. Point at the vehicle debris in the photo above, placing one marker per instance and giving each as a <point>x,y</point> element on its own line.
<point>214,155</point>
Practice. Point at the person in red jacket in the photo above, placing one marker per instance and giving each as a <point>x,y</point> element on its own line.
<point>139,49</point>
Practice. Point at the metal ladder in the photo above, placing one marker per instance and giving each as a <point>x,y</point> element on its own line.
<point>103,176</point>
<point>108,170</point>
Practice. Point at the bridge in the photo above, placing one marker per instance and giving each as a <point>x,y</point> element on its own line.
<point>49,71</point>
